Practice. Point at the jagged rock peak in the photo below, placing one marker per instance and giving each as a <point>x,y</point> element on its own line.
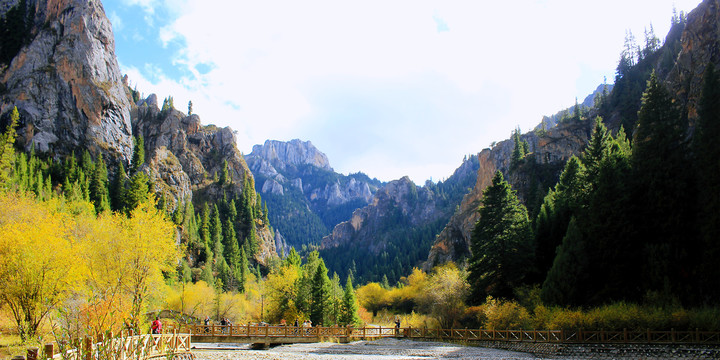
<point>293,152</point>
<point>66,82</point>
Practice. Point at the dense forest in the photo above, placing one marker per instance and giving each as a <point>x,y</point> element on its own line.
<point>629,219</point>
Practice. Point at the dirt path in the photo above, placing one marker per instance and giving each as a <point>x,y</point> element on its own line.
<point>385,349</point>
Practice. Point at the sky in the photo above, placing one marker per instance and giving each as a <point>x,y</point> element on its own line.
<point>390,88</point>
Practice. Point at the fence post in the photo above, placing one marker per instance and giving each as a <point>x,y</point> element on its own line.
<point>697,335</point>
<point>32,353</point>
<point>88,348</point>
<point>625,335</point>
<point>672,335</point>
<point>649,336</point>
<point>409,332</point>
<point>49,350</point>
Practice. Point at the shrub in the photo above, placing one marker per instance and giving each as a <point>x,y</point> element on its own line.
<point>506,315</point>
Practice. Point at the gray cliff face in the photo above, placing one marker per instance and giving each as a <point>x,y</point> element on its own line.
<point>285,164</point>
<point>66,82</point>
<point>293,152</point>
<point>700,43</point>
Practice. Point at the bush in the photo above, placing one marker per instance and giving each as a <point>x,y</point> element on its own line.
<point>503,315</point>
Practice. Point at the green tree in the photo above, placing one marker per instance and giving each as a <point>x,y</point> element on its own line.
<point>224,174</point>
<point>662,190</point>
<point>117,192</point>
<point>320,295</point>
<point>520,150</point>
<point>706,148</point>
<point>502,251</point>
<point>7,149</point>
<point>138,191</point>
<point>138,158</point>
<point>555,213</point>
<point>349,310</point>
<point>99,194</point>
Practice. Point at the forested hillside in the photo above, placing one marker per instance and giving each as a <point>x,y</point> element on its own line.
<point>387,239</point>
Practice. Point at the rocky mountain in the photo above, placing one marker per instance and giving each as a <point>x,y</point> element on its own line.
<point>305,196</point>
<point>393,234</point>
<point>58,67</point>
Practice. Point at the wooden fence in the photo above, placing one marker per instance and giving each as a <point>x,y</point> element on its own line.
<point>139,347</point>
<point>547,336</point>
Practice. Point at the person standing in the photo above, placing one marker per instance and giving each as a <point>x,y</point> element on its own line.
<point>156,326</point>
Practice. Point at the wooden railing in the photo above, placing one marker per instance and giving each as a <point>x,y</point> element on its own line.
<point>139,347</point>
<point>547,336</point>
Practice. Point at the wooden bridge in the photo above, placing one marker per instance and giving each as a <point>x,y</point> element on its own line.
<point>122,347</point>
<point>291,334</point>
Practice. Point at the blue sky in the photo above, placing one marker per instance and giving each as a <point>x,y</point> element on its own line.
<point>390,88</point>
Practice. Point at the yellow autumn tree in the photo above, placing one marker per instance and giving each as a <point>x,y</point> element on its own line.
<point>281,289</point>
<point>145,247</point>
<point>372,297</point>
<point>102,305</point>
<point>192,299</point>
<point>39,259</point>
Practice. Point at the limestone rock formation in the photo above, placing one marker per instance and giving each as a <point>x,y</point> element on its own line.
<point>66,82</point>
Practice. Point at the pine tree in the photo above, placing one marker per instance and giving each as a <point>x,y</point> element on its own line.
<point>555,213</point>
<point>138,158</point>
<point>99,194</point>
<point>224,174</point>
<point>242,271</point>
<point>520,149</point>
<point>138,191</point>
<point>7,150</point>
<point>320,296</point>
<point>117,192</point>
<point>502,251</point>
<point>662,190</point>
<point>216,238</point>
<point>349,311</point>
<point>566,278</point>
<point>706,148</point>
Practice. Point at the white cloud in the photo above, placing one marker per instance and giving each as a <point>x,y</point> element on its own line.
<point>276,64</point>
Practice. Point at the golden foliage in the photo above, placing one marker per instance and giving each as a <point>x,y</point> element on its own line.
<point>372,297</point>
<point>39,265</point>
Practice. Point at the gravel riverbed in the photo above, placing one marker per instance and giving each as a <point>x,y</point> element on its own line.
<point>384,349</point>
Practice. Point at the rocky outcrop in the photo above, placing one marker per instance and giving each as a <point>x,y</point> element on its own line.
<point>293,152</point>
<point>555,146</point>
<point>700,43</point>
<point>285,164</point>
<point>185,157</point>
<point>66,82</point>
